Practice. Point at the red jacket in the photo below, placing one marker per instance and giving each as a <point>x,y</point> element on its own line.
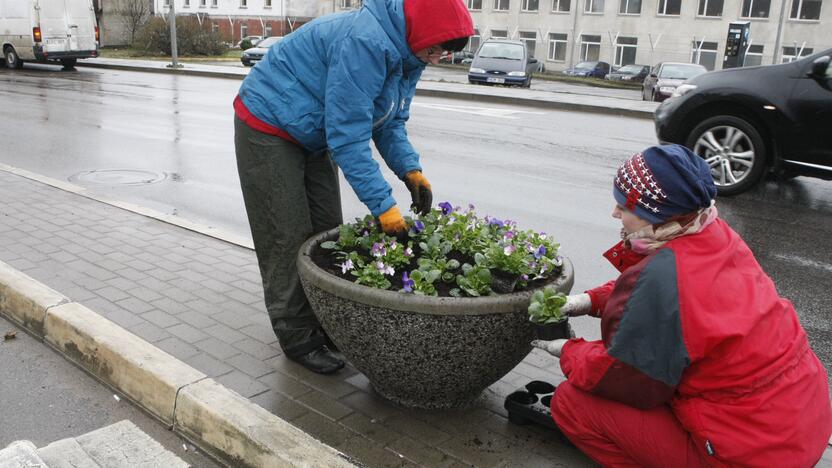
<point>698,325</point>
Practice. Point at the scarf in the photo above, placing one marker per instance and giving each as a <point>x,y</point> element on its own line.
<point>650,238</point>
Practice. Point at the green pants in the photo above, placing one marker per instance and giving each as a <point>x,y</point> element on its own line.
<point>290,194</point>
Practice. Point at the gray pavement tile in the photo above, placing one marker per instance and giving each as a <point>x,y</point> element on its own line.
<point>372,454</point>
<point>261,332</point>
<point>145,294</point>
<point>178,348</point>
<point>186,333</point>
<point>140,265</point>
<point>149,332</point>
<point>161,274</point>
<point>370,404</point>
<point>112,294</point>
<point>211,366</point>
<point>160,318</point>
<point>483,448</point>
<point>133,275</point>
<point>214,285</point>
<point>227,334</point>
<point>251,287</point>
<point>22,264</point>
<point>417,429</point>
<point>285,385</point>
<point>185,284</point>
<point>176,294</point>
<point>328,384</point>
<point>323,428</point>
<point>244,297</point>
<point>370,428</point>
<point>242,384</point>
<point>419,452</point>
<point>111,265</point>
<point>135,305</point>
<point>199,319</point>
<point>280,405</point>
<point>257,349</point>
<point>205,259</point>
<point>251,366</point>
<point>77,294</point>
<point>325,405</point>
<point>122,317</point>
<point>217,348</point>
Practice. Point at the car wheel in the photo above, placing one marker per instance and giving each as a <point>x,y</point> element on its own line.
<point>69,63</point>
<point>12,60</point>
<point>733,149</point>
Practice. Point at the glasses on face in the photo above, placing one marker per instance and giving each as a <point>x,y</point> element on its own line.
<point>437,52</point>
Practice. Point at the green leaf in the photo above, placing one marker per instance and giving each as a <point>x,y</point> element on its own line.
<point>330,245</point>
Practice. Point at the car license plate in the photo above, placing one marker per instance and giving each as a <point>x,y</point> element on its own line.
<point>491,79</point>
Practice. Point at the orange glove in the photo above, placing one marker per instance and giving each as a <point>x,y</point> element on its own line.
<point>392,222</point>
<point>419,191</point>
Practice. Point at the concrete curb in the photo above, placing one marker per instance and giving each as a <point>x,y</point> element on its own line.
<point>420,91</point>
<point>216,419</point>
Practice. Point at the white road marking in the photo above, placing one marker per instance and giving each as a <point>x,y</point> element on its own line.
<point>484,111</point>
<point>804,262</point>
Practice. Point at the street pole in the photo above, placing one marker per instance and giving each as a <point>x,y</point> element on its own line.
<point>173,47</point>
<point>574,7</point>
<point>777,41</point>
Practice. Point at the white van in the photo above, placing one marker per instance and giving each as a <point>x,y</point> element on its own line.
<point>47,31</point>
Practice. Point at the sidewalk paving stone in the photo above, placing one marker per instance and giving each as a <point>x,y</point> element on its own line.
<point>200,299</point>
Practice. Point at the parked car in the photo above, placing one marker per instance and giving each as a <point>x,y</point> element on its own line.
<point>634,73</point>
<point>251,39</point>
<point>665,77</point>
<point>589,69</point>
<point>457,57</point>
<point>746,122</point>
<point>256,53</point>
<point>47,32</point>
<point>502,61</point>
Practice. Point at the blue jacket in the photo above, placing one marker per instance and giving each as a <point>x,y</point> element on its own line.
<point>338,82</point>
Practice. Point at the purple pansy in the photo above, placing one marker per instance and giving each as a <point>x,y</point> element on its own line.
<point>346,266</point>
<point>418,226</point>
<point>509,249</point>
<point>496,222</point>
<point>407,283</point>
<point>446,207</point>
<point>541,251</point>
<point>378,249</point>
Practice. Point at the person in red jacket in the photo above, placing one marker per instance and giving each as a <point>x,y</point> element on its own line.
<point>701,363</point>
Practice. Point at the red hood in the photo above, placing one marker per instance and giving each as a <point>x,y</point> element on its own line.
<point>432,22</point>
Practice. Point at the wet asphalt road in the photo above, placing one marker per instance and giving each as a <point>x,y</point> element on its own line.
<point>549,170</point>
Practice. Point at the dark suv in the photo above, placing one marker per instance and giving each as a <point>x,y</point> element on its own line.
<point>748,121</point>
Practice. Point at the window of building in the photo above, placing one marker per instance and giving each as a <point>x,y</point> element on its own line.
<point>186,3</point>
<point>267,3</point>
<point>625,51</point>
<point>202,3</point>
<point>215,27</point>
<point>243,3</point>
<point>557,47</point>
<point>755,8</point>
<point>530,38</point>
<point>350,4</point>
<point>501,5</point>
<point>593,6</point>
<point>790,54</point>
<point>214,3</point>
<point>167,3</point>
<point>243,30</point>
<point>704,55</point>
<point>670,7</point>
<point>710,8</point>
<point>805,10</point>
<point>268,30</point>
<point>629,7</point>
<point>475,41</point>
<point>561,6</point>
<point>499,33</point>
<point>530,5</point>
<point>754,56</point>
<point>475,4</point>
<point>590,48</point>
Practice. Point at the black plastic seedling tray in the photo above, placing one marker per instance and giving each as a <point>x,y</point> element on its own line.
<point>531,404</point>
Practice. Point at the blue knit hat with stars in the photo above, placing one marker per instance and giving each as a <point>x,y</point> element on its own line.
<point>662,182</point>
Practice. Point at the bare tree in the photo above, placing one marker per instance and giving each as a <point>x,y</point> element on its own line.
<point>133,14</point>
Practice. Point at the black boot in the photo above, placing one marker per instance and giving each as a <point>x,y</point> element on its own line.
<point>320,360</point>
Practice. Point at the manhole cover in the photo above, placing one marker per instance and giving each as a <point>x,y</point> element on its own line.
<point>118,177</point>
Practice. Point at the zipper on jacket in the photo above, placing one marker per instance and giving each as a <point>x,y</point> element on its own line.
<point>709,448</point>
<point>380,121</point>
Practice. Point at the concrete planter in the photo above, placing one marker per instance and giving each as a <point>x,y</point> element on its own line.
<point>418,351</point>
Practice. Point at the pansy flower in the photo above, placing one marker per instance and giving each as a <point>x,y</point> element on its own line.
<point>346,266</point>
<point>446,207</point>
<point>407,283</point>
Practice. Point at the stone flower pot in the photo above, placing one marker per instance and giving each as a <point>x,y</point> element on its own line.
<point>420,351</point>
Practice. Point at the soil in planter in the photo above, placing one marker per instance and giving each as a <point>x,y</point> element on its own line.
<point>325,259</point>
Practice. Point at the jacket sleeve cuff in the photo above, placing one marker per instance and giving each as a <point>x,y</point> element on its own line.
<point>385,205</point>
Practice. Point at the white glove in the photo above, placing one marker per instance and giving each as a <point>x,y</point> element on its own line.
<point>554,347</point>
<point>577,305</point>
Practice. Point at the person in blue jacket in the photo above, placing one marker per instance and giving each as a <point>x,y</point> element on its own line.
<point>312,106</point>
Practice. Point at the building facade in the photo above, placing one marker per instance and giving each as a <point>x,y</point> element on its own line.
<point>563,32</point>
<point>235,19</point>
